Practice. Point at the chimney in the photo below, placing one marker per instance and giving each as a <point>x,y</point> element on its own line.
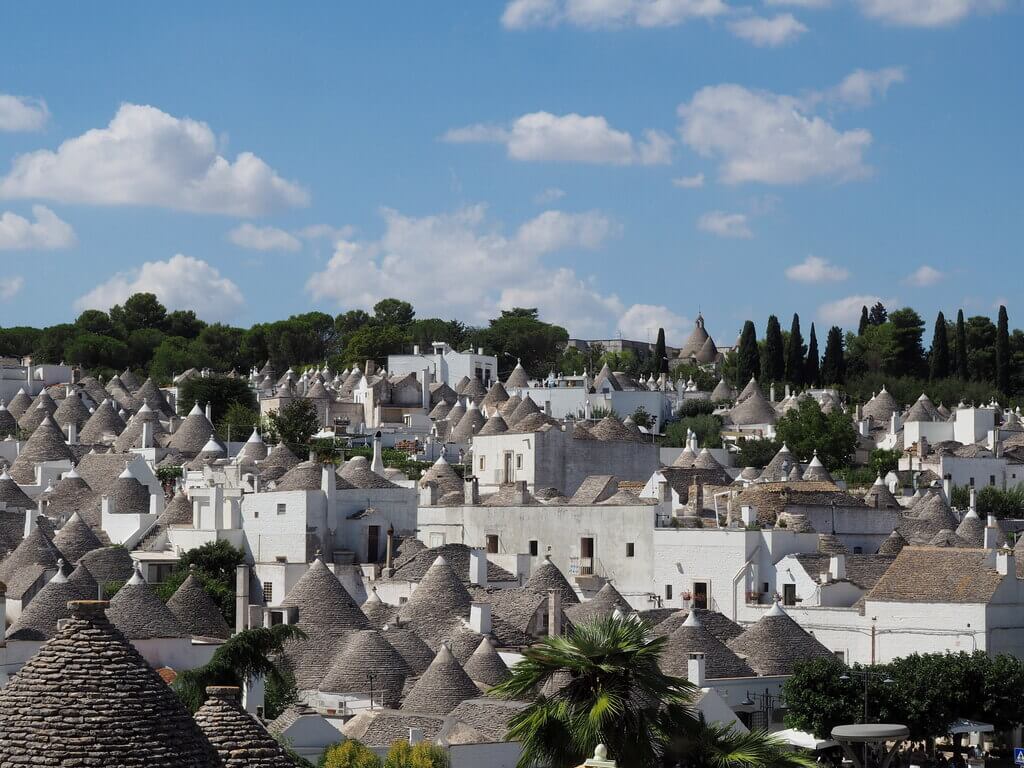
<point>771,392</point>
<point>72,433</point>
<point>415,736</point>
<point>377,465</point>
<point>147,434</point>
<point>922,446</point>
<point>425,390</point>
<point>859,411</point>
<point>748,514</point>
<point>554,613</point>
<point>389,555</point>
<point>415,349</point>
<point>428,494</point>
<point>837,566</point>
<point>1005,563</point>
<point>3,613</point>
<point>698,498</point>
<point>472,491</point>
<point>241,596</point>
<point>30,522</point>
<point>547,408</point>
<point>972,504</point>
<point>209,412</point>
<point>696,669</point>
<point>480,618</point>
<point>894,423</point>
<point>664,491</point>
<point>947,486</point>
<point>519,493</point>
<point>997,443</point>
<point>991,533</point>
<point>864,427</point>
<point>787,391</point>
<point>480,350</point>
<point>478,567</point>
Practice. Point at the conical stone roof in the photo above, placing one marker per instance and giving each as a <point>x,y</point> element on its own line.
<point>73,495</point>
<point>410,646</point>
<point>753,410</point>
<point>524,409</point>
<point>376,610</point>
<point>131,435</point>
<point>192,434</point>
<point>468,425</point>
<point>153,396</point>
<point>447,479</point>
<point>88,698</point>
<point>438,603</point>
<point>109,565</point>
<point>719,625</point>
<point>75,538</point>
<point>722,391</point>
<point>776,644</point>
<point>278,462</point>
<point>129,496</point>
<point>8,424</point>
<point>486,666</point>
<point>442,687</point>
<point>368,662</point>
<point>881,407</point>
<point>493,426</point>
<point>141,615</point>
<point>45,444</point>
<point>41,407</point>
<point>254,449</point>
<point>880,496</point>
<point>356,471</point>
<point>600,606</point>
<point>196,611</point>
<point>495,396</point>
<point>11,493</point>
<point>547,576</point>
<point>692,637</point>
<point>104,424</point>
<point>238,738</point>
<point>20,403</point>
<point>518,379</point>
<point>71,411</point>
<point>893,544</point>
<point>40,618</point>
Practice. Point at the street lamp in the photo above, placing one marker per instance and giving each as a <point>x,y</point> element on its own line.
<point>865,675</point>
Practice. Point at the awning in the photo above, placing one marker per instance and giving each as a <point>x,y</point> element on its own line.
<point>802,739</point>
<point>970,726</point>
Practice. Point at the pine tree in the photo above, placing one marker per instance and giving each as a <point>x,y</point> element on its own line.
<point>1003,351</point>
<point>961,346</point>
<point>812,371</point>
<point>748,359</point>
<point>833,365</point>
<point>660,356</point>
<point>938,366</point>
<point>878,314</point>
<point>773,365</point>
<point>865,321</point>
<point>795,354</point>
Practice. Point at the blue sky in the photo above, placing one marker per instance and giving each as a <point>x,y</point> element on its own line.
<point>617,163</point>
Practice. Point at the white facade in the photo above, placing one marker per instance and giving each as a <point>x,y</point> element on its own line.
<point>446,365</point>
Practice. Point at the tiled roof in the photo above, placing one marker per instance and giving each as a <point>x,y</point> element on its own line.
<point>938,575</point>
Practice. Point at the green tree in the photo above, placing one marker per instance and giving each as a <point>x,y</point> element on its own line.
<point>879,315</point>
<point>221,392</point>
<point>402,754</point>
<point>660,355</point>
<point>938,363</point>
<point>519,334</point>
<point>818,699</point>
<point>812,370</point>
<point>175,355</point>
<point>748,359</point>
<point>755,453</point>
<point>184,323</point>
<point>961,346</point>
<point>237,422</point>
<point>393,312</point>
<point>882,462</point>
<point>222,344</point>
<point>773,361</point>
<point>807,429</point>
<point>642,418</point>
<point>96,353</point>
<point>833,364</point>
<point>1003,352</point>
<point>49,346</point>
<point>907,353</point>
<point>140,310</point>
<point>349,754</point>
<point>372,342</point>
<point>295,424</point>
<point>865,321</point>
<point>981,348</point>
<point>795,352</point>
<point>618,696</point>
<point>96,321</point>
<point>707,428</point>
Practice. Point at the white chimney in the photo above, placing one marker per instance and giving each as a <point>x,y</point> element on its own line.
<point>1005,563</point>
<point>696,669</point>
<point>425,390</point>
<point>428,494</point>
<point>972,504</point>
<point>415,349</point>
<point>480,618</point>
<point>554,613</point>
<point>771,392</point>
<point>241,596</point>
<point>947,486</point>
<point>415,736</point>
<point>748,514</point>
<point>478,567</point>
<point>837,566</point>
<point>30,522</point>
<point>72,433</point>
<point>519,493</point>
<point>147,434</point>
<point>991,539</point>
<point>209,412</point>
<point>471,491</point>
<point>377,465</point>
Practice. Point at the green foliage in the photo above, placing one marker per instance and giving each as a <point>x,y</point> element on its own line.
<point>865,321</point>
<point>519,333</point>
<point>695,406</point>
<point>295,424</point>
<point>773,357</point>
<point>1003,352</point>
<point>215,564</point>
<point>140,310</point>
<point>349,754</point>
<point>817,700</point>
<point>878,315</point>
<point>906,389</point>
<point>221,392</point>
<point>245,655</point>
<point>806,430</point>
<point>237,422</point>
<point>812,369</point>
<point>938,358</point>
<point>660,355</point>
<point>907,353</point>
<point>748,360</point>
<point>882,462</point>
<point>755,453</point>
<point>279,693</point>
<point>642,418</point>
<point>833,364</point>
<point>707,428</point>
<point>169,474</point>
<point>961,350</point>
<point>1003,504</point>
<point>704,378</point>
<point>795,353</point>
<point>402,754</point>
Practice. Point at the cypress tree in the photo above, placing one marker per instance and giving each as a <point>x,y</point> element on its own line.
<point>773,366</point>
<point>833,365</point>
<point>795,354</point>
<point>812,371</point>
<point>961,346</point>
<point>1003,351</point>
<point>865,321</point>
<point>939,362</point>
<point>878,315</point>
<point>748,359</point>
<point>660,356</point>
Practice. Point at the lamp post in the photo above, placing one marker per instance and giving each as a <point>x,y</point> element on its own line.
<point>865,675</point>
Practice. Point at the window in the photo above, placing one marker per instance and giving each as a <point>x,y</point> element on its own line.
<point>700,595</point>
<point>764,587</point>
<point>483,463</point>
<point>972,482</point>
<point>534,547</point>
<point>630,549</point>
<point>256,514</point>
<point>519,461</point>
<point>282,508</point>
<point>276,617</point>
<point>281,559</point>
<point>858,550</point>
<point>991,479</point>
<point>268,592</point>
<point>492,544</point>
<point>403,600</point>
<point>668,591</point>
<point>789,594</point>
<point>841,656</point>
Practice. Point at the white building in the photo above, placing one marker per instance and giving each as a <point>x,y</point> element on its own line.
<point>445,365</point>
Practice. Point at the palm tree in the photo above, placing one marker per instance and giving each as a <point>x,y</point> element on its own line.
<point>602,684</point>
<point>248,654</point>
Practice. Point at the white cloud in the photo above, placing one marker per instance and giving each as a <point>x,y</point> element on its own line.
<point>462,264</point>
<point>147,157</point>
<point>725,224</point>
<point>689,182</point>
<point>11,286</point>
<point>926,13</point>
<point>642,321</point>
<point>523,14</point>
<point>326,232</point>
<point>181,282</point>
<point>759,136</point>
<point>815,269</point>
<point>18,113</point>
<point>549,195</point>
<point>572,138</point>
<point>812,4</point>
<point>847,311</point>
<point>768,32</point>
<point>924,276</point>
<point>263,238</point>
<point>862,86</point>
<point>47,233</point>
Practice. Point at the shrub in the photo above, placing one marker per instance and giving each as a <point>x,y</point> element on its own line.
<point>349,754</point>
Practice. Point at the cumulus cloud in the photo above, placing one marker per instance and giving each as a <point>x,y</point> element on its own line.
<point>847,311</point>
<point>724,224</point>
<point>11,286</point>
<point>926,13</point>
<point>181,282</point>
<point>263,238</point>
<point>524,14</point>
<point>18,113</point>
<point>924,276</point>
<point>642,321</point>
<point>768,32</point>
<point>572,138</point>
<point>861,87</point>
<point>812,4</point>
<point>689,182</point>
<point>815,269</point>
<point>47,233</point>
<point>771,138</point>
<point>464,264</point>
<point>148,157</point>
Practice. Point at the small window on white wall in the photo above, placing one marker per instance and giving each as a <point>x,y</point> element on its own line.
<point>483,462</point>
<point>268,591</point>
<point>519,461</point>
<point>282,508</point>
